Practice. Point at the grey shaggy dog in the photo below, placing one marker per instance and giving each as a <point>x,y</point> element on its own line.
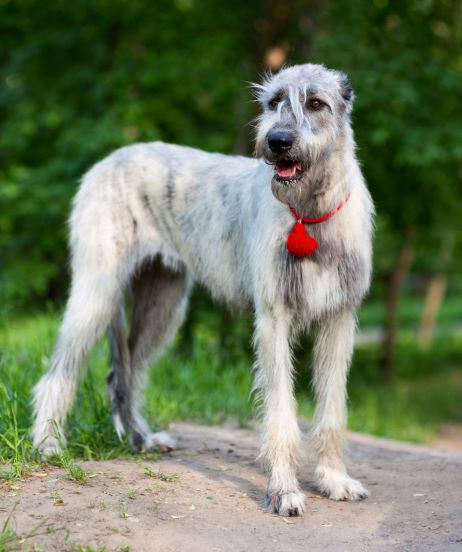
<point>153,218</point>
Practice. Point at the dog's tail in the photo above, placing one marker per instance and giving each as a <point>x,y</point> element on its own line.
<point>119,378</point>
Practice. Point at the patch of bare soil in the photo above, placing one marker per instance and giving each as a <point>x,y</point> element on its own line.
<point>449,437</point>
<point>206,496</point>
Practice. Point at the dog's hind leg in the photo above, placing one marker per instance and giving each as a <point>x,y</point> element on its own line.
<point>160,297</point>
<point>105,249</point>
<point>88,313</point>
<point>332,354</point>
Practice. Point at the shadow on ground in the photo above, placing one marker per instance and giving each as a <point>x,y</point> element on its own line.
<point>207,496</point>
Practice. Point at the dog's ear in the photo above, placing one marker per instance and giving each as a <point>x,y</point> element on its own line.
<point>346,90</point>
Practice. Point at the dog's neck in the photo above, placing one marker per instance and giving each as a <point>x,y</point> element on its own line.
<point>325,183</point>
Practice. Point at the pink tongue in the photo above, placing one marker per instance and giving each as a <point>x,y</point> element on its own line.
<point>289,171</point>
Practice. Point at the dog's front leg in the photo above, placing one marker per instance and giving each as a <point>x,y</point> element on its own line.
<point>281,434</point>
<point>332,354</point>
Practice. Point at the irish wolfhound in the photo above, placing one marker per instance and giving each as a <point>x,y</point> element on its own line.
<point>289,234</point>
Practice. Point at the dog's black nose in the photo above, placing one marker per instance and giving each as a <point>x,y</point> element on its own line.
<point>280,141</point>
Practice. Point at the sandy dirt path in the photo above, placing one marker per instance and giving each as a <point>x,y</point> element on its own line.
<point>206,496</point>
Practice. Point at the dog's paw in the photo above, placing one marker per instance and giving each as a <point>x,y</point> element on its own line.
<point>338,485</point>
<point>161,440</point>
<point>48,449</point>
<point>285,504</point>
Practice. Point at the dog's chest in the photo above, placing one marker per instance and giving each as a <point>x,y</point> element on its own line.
<point>325,282</point>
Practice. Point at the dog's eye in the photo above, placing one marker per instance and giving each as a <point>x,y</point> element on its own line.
<point>272,104</point>
<point>315,104</point>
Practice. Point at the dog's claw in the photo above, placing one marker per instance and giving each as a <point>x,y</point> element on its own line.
<point>338,485</point>
<point>284,504</point>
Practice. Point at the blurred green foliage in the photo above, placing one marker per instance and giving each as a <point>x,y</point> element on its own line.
<point>80,79</point>
<point>406,67</point>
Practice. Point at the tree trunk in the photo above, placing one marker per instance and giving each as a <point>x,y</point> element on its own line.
<point>397,278</point>
<point>433,299</point>
<point>435,291</point>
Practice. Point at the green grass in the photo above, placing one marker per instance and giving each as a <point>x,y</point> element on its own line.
<point>75,472</point>
<point>208,381</point>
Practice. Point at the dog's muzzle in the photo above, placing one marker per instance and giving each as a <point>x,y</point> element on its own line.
<point>287,168</point>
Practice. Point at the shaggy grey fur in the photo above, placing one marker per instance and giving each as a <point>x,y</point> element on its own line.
<point>153,218</point>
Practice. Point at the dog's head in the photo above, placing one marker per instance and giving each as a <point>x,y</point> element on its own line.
<point>304,109</point>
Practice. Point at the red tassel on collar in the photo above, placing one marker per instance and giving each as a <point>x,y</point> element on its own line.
<point>299,242</point>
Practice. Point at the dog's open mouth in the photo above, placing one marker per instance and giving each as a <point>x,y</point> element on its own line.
<point>288,171</point>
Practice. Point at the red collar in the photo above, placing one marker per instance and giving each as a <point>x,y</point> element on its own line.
<point>301,244</point>
<point>320,219</point>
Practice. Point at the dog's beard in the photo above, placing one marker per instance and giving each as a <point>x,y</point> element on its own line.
<point>289,179</point>
<point>289,193</point>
